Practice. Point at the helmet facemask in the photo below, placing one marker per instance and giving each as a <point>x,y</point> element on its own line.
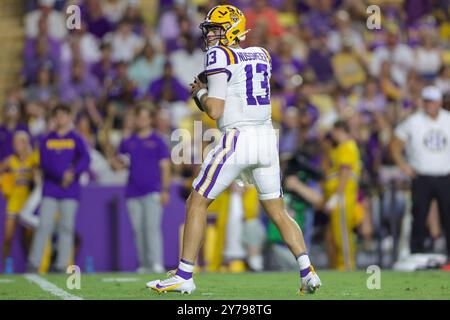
<point>219,37</point>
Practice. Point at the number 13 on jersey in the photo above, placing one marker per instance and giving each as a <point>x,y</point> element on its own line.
<point>263,99</point>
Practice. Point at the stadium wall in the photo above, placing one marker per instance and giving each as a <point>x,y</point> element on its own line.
<point>105,234</point>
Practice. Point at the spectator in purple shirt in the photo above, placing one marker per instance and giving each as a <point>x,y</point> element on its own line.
<point>96,21</point>
<point>319,58</point>
<point>40,52</point>
<point>147,157</point>
<point>81,84</point>
<point>320,17</point>
<point>415,9</point>
<point>121,91</point>
<point>284,64</point>
<point>64,157</point>
<point>104,70</point>
<point>168,87</point>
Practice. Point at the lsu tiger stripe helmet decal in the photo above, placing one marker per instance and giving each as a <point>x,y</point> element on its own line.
<point>229,21</point>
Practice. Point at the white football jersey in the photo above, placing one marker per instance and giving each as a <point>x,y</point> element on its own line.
<point>247,98</point>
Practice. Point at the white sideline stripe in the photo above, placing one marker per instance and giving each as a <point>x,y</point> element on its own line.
<point>51,288</point>
<point>7,281</point>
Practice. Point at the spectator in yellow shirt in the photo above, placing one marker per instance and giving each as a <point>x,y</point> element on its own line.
<point>347,66</point>
<point>22,167</point>
<point>341,194</point>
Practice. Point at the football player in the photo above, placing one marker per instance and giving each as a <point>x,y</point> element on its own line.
<point>237,96</point>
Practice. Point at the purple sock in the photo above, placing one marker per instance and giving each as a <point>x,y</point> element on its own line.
<point>304,264</point>
<point>185,269</point>
<point>304,272</point>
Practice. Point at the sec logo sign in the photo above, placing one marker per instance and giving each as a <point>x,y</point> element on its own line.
<point>435,140</point>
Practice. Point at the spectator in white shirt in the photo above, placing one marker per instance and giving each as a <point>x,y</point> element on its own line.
<point>56,21</point>
<point>124,43</point>
<point>400,56</point>
<point>344,30</point>
<point>84,43</point>
<point>187,61</point>
<point>114,10</point>
<point>427,60</point>
<point>425,135</point>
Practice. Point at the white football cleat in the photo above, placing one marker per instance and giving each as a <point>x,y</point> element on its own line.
<point>311,283</point>
<point>173,284</point>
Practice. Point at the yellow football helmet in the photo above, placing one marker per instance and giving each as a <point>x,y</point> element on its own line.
<point>229,20</point>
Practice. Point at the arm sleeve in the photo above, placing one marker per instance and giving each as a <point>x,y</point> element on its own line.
<point>217,86</point>
<point>216,61</point>
<point>163,150</point>
<point>123,153</point>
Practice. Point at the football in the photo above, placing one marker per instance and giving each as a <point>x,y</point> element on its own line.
<point>203,79</point>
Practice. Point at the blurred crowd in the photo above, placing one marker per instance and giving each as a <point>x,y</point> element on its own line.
<point>326,65</point>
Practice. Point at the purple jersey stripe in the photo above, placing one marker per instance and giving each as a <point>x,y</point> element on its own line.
<point>266,53</point>
<point>216,174</point>
<point>234,55</point>
<point>219,70</point>
<point>205,174</point>
<point>216,70</point>
<point>228,72</point>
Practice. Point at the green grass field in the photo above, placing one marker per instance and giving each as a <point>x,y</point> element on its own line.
<point>252,286</point>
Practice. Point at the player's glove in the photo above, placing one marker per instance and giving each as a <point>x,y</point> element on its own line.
<point>203,79</point>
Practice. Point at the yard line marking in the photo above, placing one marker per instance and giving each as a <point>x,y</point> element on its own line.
<point>51,288</point>
<point>7,280</point>
<point>120,279</point>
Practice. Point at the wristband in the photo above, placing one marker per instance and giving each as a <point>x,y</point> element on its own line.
<point>201,92</point>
